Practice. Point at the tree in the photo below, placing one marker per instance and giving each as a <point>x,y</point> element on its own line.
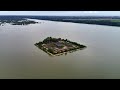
<point>50,50</point>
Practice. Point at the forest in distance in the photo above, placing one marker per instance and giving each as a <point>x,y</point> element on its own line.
<point>98,20</point>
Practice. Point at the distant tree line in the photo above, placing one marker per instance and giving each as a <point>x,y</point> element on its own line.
<point>97,22</point>
<point>76,19</point>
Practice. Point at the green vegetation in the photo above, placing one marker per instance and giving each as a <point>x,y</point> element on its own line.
<point>98,20</point>
<point>109,22</point>
<point>115,20</point>
<point>57,46</point>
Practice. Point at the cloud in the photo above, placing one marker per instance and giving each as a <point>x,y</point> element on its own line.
<point>63,13</point>
<point>90,11</point>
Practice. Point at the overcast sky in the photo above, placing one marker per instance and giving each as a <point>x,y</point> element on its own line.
<point>63,13</point>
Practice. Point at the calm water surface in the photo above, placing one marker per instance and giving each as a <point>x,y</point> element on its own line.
<point>19,58</point>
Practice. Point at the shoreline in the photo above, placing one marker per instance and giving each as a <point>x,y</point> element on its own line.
<point>58,46</point>
<point>51,54</point>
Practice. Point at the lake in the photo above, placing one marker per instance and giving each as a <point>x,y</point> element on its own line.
<point>20,58</point>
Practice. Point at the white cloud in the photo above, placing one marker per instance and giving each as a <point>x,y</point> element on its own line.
<point>90,11</point>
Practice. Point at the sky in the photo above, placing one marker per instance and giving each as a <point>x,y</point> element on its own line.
<point>63,13</point>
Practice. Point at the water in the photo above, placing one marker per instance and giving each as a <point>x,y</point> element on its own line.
<point>19,58</point>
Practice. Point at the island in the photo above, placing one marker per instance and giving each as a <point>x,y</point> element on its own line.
<point>58,46</point>
<point>23,22</point>
<point>20,21</point>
